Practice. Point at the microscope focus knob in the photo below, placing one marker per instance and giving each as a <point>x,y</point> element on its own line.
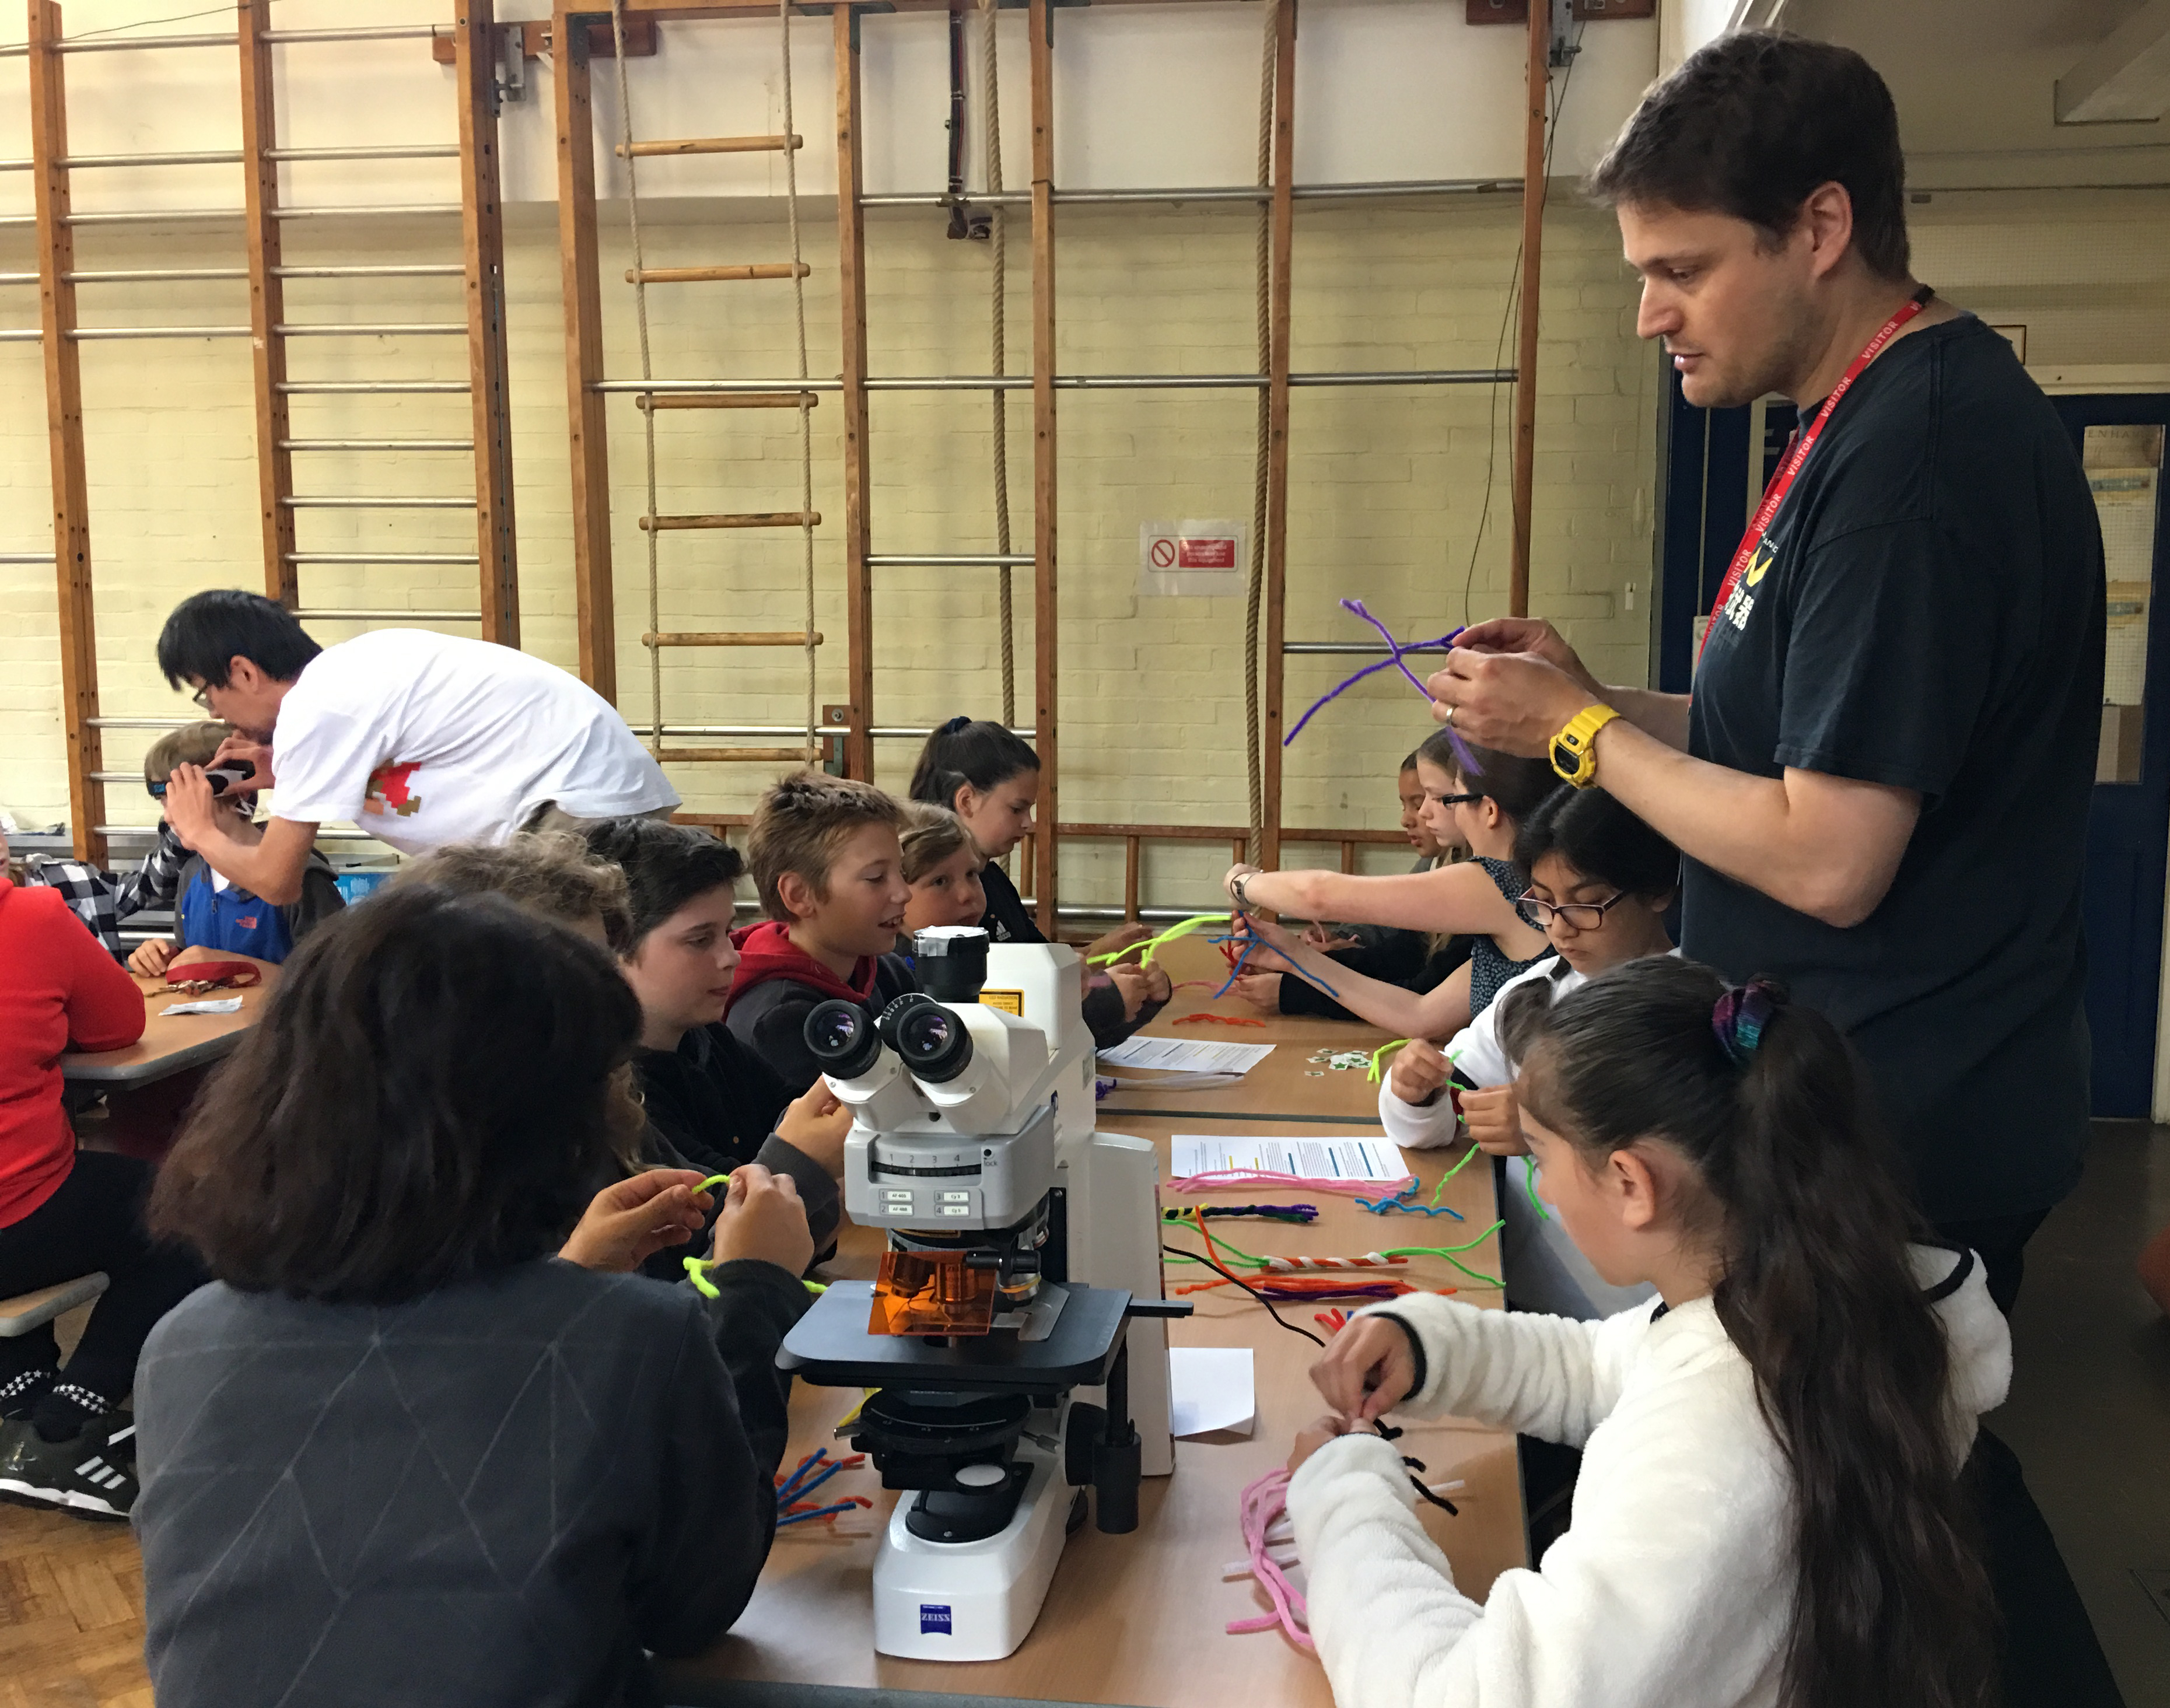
<point>1080,1439</point>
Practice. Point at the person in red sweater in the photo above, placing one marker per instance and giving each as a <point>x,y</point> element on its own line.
<point>63,1440</point>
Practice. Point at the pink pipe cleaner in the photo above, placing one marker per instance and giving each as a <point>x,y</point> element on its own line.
<point>1265,1504</point>
<point>1223,1179</point>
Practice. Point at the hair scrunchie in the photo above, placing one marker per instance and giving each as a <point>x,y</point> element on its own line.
<point>961,721</point>
<point>1739,1017</point>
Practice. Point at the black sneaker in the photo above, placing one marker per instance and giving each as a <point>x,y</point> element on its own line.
<point>93,1476</point>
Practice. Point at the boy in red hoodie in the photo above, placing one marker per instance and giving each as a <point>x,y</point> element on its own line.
<point>824,854</point>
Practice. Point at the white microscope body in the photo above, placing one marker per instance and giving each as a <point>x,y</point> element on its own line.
<point>995,1167</point>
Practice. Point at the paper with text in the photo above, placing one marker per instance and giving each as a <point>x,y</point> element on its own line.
<point>1312,1158</point>
<point>1187,1055</point>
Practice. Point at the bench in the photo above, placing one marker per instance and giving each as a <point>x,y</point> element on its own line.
<point>27,1311</point>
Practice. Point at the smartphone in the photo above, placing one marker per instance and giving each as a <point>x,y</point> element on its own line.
<point>232,771</point>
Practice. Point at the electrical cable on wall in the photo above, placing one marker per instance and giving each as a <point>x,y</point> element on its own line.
<point>1499,349</point>
<point>1254,759</point>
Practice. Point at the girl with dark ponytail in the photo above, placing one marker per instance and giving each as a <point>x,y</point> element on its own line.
<point>989,776</point>
<point>1770,1510</point>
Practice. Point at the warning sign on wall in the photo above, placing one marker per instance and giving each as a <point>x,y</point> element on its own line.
<point>1192,558</point>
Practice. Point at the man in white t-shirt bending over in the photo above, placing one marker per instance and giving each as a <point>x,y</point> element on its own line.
<point>419,738</point>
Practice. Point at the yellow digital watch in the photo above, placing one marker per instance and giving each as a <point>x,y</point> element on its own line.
<point>1573,752</point>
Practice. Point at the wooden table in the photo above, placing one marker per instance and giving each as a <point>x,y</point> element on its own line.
<point>170,1042</point>
<point>1286,1086</point>
<point>1138,1619</point>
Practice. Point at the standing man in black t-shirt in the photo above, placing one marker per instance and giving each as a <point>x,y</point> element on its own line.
<point>1881,780</point>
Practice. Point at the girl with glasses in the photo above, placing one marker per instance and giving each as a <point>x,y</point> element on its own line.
<point>1600,883</point>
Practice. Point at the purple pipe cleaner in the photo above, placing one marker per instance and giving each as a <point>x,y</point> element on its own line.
<point>1395,649</point>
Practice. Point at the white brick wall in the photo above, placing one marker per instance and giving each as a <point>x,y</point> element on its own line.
<point>1387,486</point>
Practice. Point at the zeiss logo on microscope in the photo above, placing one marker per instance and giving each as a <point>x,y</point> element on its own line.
<point>933,1620</point>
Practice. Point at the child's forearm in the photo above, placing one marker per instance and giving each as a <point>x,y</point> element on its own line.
<point>1399,1010</point>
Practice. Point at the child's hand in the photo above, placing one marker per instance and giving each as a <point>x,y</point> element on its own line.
<point>1495,1121</point>
<point>188,808</point>
<point>149,961</point>
<point>1158,987</point>
<point>1272,946</point>
<point>1367,1371</point>
<point>762,1222</point>
<point>1127,936</point>
<point>1259,990</point>
<point>1322,939</point>
<point>817,1122</point>
<point>629,1221</point>
<point>1133,984</point>
<point>1420,1069</point>
<point>1310,1440</point>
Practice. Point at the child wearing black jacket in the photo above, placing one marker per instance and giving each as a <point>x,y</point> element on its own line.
<point>399,1451</point>
<point>659,897</point>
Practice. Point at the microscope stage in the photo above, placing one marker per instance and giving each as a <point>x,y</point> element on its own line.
<point>830,1347</point>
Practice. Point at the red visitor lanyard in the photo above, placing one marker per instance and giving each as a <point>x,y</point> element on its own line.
<point>1782,481</point>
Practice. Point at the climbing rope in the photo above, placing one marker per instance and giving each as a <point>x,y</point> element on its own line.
<point>1252,755</point>
<point>993,98</point>
<point>648,375</point>
<point>806,398</point>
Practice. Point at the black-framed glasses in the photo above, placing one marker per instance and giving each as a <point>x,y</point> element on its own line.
<point>1583,916</point>
<point>202,696</point>
<point>1457,800</point>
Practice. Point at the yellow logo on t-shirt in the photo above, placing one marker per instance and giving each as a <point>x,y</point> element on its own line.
<point>1761,563</point>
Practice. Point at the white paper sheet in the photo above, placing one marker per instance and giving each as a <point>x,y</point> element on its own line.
<point>1320,1158</point>
<point>1211,1388</point>
<point>1187,1055</point>
<point>229,1004</point>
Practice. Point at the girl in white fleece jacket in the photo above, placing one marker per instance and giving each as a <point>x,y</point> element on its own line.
<point>1769,1510</point>
<point>1600,883</point>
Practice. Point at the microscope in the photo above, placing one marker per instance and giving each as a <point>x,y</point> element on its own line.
<point>1016,1338</point>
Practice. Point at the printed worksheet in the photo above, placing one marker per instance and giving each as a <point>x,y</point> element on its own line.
<point>1311,1158</point>
<point>1195,1055</point>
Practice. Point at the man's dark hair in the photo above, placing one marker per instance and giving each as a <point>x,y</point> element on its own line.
<point>208,631</point>
<point>1753,123</point>
<point>666,866</point>
<point>432,1095</point>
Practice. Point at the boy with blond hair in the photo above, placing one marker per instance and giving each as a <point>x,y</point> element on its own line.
<point>219,919</point>
<point>824,857</point>
<point>100,898</point>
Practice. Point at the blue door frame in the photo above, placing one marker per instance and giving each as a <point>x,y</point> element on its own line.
<point>1706,508</point>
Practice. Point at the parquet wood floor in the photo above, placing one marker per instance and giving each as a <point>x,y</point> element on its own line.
<point>71,1613</point>
<point>70,1603</point>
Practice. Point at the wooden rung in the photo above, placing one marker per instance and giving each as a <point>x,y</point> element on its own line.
<point>732,638</point>
<point>729,400</point>
<point>715,145</point>
<point>721,755</point>
<point>757,519</point>
<point>713,275</point>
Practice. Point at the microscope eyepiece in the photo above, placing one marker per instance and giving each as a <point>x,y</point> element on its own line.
<point>934,1042</point>
<point>843,1038</point>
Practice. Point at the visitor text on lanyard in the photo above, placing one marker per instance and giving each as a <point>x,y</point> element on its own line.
<point>1775,494</point>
